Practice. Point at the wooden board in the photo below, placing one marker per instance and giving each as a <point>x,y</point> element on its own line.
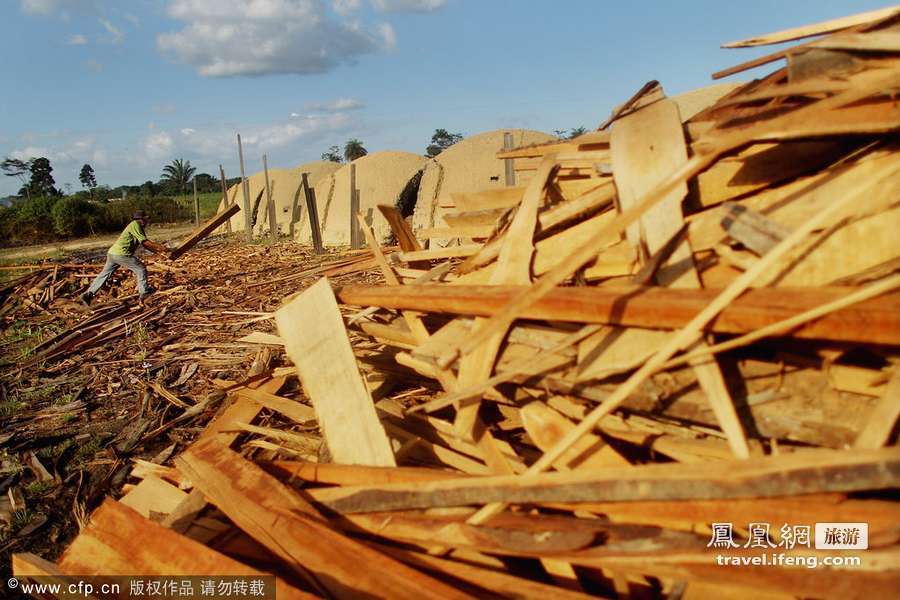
<point>804,31</point>
<point>118,541</point>
<point>875,321</point>
<point>153,495</point>
<point>288,526</point>
<point>546,427</point>
<point>809,472</point>
<point>316,341</point>
<point>204,230</point>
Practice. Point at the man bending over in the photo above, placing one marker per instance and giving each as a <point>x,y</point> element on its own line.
<point>121,254</point>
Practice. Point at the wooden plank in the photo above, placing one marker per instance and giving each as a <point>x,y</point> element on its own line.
<point>487,579</point>
<point>107,547</point>
<point>646,146</point>
<point>292,409</point>
<point>500,198</point>
<point>270,204</point>
<point>883,418</point>
<point>245,188</point>
<point>312,213</point>
<point>316,341</point>
<point>763,165</point>
<point>439,253</point>
<point>874,321</point>
<point>545,427</point>
<point>225,201</point>
<point>198,234</point>
<point>153,495</point>
<point>405,237</point>
<point>811,472</point>
<point>805,31</point>
<point>289,527</point>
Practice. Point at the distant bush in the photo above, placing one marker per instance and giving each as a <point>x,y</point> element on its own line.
<point>76,217</point>
<point>47,219</point>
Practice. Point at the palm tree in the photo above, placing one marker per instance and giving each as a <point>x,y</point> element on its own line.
<point>353,149</point>
<point>179,173</point>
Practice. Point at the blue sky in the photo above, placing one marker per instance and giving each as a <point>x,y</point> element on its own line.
<point>128,86</point>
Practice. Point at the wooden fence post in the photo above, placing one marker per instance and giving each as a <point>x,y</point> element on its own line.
<point>355,242</point>
<point>248,219</point>
<point>270,205</point>
<point>508,162</point>
<point>313,212</point>
<point>196,204</point>
<point>225,202</point>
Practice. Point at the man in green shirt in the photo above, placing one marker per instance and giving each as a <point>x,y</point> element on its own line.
<point>121,254</point>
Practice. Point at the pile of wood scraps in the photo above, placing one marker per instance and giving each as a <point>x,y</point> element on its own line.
<point>647,371</point>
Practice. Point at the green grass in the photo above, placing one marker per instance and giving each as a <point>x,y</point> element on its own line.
<point>11,407</point>
<point>38,488</point>
<point>209,203</point>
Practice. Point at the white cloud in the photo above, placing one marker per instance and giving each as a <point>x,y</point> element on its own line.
<point>345,7</point>
<point>77,40</point>
<point>55,7</point>
<point>388,35</point>
<point>188,131</point>
<point>94,65</point>
<point>115,34</point>
<point>133,19</point>
<point>224,38</point>
<point>158,145</point>
<point>408,5</point>
<point>339,105</point>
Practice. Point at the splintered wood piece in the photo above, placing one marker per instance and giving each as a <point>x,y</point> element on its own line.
<point>279,519</point>
<point>487,579</point>
<point>118,541</point>
<point>805,31</point>
<point>405,236</point>
<point>316,341</point>
<point>810,472</point>
<point>201,232</point>
<point>752,229</point>
<point>153,495</point>
<point>646,146</point>
<point>545,427</point>
<point>883,418</point>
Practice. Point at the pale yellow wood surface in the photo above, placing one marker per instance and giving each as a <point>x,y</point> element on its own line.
<point>316,341</point>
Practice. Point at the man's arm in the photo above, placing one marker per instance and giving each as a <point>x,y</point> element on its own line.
<point>155,247</point>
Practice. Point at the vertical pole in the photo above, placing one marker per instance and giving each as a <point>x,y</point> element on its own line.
<point>196,204</point>
<point>354,208</point>
<point>248,223</point>
<point>270,205</point>
<point>313,212</point>
<point>508,162</point>
<point>225,203</point>
<point>295,208</point>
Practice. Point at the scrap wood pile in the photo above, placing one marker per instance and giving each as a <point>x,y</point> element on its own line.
<point>670,326</point>
<point>85,391</point>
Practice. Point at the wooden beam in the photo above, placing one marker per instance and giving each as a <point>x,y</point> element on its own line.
<point>872,321</point>
<point>405,237</point>
<point>225,201</point>
<point>201,232</point>
<point>805,31</point>
<point>811,472</point>
<point>279,519</point>
<point>245,188</point>
<point>883,418</point>
<point>312,213</point>
<point>316,341</point>
<point>107,547</point>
